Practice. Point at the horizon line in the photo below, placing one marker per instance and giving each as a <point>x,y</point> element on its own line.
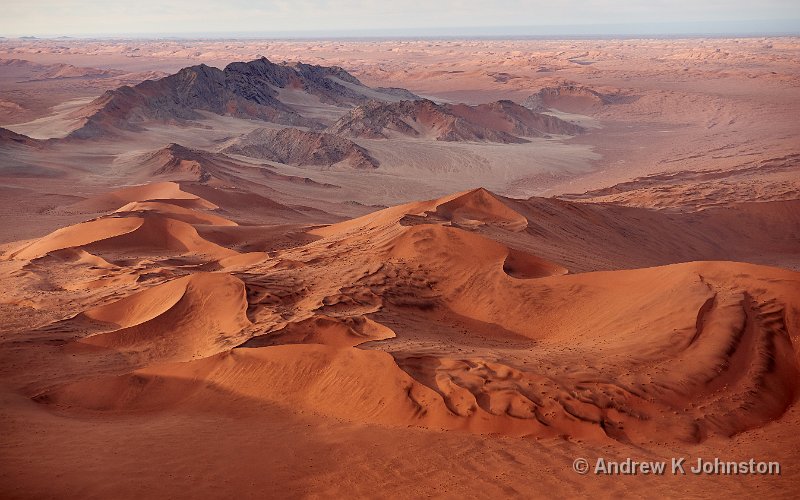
<point>689,29</point>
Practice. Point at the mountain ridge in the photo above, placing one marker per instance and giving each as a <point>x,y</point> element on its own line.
<point>241,89</point>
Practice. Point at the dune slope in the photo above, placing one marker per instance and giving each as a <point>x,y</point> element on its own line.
<point>473,335</point>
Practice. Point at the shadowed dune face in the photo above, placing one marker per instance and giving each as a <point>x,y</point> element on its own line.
<point>366,323</point>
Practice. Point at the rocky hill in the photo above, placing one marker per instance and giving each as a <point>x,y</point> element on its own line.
<point>298,147</point>
<point>10,139</point>
<point>501,121</point>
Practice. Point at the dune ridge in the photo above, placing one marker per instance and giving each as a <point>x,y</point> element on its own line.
<point>341,343</point>
<point>733,344</point>
<point>191,317</point>
<point>155,218</point>
<point>156,191</point>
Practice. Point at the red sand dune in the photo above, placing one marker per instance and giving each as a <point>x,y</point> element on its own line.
<point>705,353</point>
<point>150,233</point>
<point>418,315</point>
<point>479,206</point>
<point>191,317</point>
<point>147,192</point>
<point>175,212</point>
<point>160,227</point>
<point>737,365</point>
<point>79,235</point>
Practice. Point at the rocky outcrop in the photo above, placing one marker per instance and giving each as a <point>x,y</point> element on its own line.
<point>501,121</point>
<point>572,98</point>
<point>11,139</point>
<point>298,147</point>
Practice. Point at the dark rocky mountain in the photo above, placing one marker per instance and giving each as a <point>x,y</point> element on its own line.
<point>246,90</point>
<point>298,147</point>
<point>501,121</point>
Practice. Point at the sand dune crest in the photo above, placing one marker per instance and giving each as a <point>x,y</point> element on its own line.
<point>195,316</point>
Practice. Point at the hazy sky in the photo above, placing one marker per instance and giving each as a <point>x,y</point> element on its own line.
<point>110,17</point>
